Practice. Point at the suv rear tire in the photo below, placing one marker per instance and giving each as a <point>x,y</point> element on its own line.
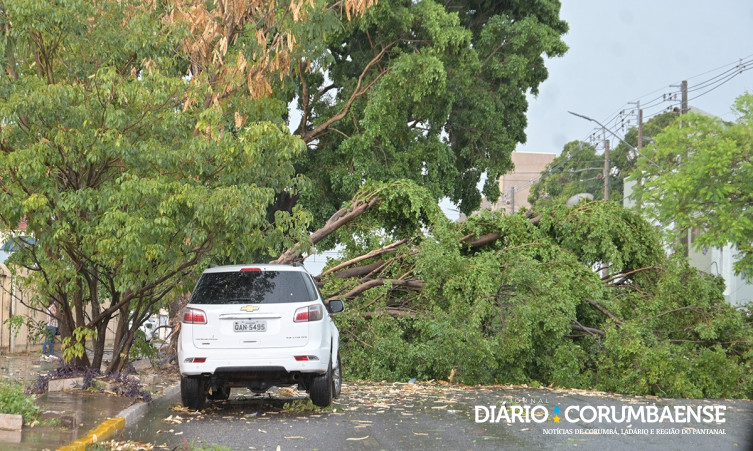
<point>322,388</point>
<point>192,393</point>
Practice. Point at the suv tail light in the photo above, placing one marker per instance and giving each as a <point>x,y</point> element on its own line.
<point>310,313</point>
<point>194,316</point>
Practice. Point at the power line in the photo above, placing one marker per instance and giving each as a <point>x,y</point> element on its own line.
<point>720,67</point>
<point>651,107</point>
<point>736,70</point>
<point>616,119</point>
<point>721,83</point>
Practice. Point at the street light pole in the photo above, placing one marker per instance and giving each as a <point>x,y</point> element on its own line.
<point>604,127</point>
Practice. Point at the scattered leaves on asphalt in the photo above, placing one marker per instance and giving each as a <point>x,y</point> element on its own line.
<point>114,445</point>
<point>357,438</point>
<point>173,419</point>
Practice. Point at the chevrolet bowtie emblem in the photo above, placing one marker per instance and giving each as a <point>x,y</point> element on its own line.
<point>249,308</point>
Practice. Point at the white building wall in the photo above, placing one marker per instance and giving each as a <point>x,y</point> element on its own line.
<point>716,261</point>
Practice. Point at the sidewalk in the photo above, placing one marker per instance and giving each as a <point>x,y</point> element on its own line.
<point>68,415</point>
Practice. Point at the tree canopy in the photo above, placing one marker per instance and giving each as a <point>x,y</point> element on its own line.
<point>698,175</point>
<point>130,174</point>
<point>579,169</point>
<point>141,140</point>
<point>427,91</point>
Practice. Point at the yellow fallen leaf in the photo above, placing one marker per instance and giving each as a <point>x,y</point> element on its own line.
<point>287,392</point>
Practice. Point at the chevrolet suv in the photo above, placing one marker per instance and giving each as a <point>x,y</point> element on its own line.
<point>258,326</point>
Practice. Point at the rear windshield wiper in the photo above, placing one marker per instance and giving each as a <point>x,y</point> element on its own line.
<point>239,301</point>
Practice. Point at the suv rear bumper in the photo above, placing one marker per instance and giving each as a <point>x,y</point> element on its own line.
<point>252,360</point>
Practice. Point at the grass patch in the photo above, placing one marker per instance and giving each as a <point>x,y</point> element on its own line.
<point>14,401</point>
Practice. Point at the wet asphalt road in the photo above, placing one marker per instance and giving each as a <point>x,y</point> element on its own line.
<point>430,416</point>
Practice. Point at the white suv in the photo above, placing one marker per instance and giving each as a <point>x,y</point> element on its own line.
<point>258,326</point>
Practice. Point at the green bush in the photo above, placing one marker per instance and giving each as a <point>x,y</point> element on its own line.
<point>528,308</point>
<point>14,401</point>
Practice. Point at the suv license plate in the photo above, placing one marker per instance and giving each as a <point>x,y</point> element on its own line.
<point>250,326</point>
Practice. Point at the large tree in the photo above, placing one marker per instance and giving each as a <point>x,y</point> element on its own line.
<point>132,147</point>
<point>699,174</point>
<point>428,91</point>
<point>140,140</point>
<point>515,299</point>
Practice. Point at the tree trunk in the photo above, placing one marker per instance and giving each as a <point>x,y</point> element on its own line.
<point>99,344</point>
<point>369,284</point>
<point>358,271</point>
<point>78,303</point>
<point>340,218</point>
<point>120,361</point>
<point>121,335</point>
<point>101,326</point>
<point>374,253</point>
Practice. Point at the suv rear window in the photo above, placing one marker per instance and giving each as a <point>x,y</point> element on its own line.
<point>253,287</point>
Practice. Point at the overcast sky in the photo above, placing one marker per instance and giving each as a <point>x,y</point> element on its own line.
<point>622,51</point>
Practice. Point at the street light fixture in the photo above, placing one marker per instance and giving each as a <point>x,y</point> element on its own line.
<point>604,127</point>
<point>606,154</point>
<point>606,151</point>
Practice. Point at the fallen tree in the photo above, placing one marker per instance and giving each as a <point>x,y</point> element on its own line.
<point>516,299</point>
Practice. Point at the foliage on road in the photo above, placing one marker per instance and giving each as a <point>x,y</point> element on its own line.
<point>515,299</point>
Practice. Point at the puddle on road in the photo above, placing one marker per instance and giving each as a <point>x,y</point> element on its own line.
<point>65,416</point>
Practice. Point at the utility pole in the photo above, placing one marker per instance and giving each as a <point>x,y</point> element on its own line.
<point>639,114</point>
<point>639,147</point>
<point>684,90</point>
<point>640,129</point>
<point>606,168</point>
<point>512,200</point>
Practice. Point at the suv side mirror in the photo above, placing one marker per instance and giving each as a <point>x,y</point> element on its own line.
<point>335,306</point>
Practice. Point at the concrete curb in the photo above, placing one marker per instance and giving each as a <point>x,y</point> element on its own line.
<point>112,426</point>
